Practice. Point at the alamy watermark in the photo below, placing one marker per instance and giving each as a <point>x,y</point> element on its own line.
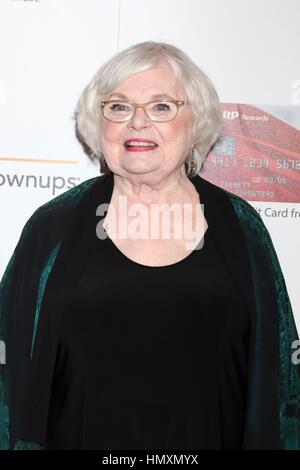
<point>155,221</point>
<point>296,354</point>
<point>295,95</point>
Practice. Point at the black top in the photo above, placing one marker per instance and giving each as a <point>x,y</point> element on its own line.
<point>151,357</point>
<point>63,357</point>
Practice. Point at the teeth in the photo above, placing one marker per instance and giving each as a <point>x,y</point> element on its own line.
<point>141,144</point>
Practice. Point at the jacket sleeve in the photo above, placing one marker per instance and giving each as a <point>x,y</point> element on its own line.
<point>18,296</point>
<point>273,413</point>
<point>19,289</point>
<point>21,296</point>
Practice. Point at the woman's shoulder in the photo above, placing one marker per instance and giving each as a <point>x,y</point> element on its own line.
<point>63,204</point>
<point>67,200</point>
<point>245,212</point>
<point>253,227</point>
<point>248,215</point>
<point>257,235</point>
<point>48,221</point>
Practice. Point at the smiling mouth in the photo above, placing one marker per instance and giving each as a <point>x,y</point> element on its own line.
<point>140,146</point>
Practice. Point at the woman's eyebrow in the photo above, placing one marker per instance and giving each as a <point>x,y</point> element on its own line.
<point>118,95</point>
<point>162,95</point>
<point>157,96</point>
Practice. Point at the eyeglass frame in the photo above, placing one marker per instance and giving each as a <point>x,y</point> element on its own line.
<point>142,105</point>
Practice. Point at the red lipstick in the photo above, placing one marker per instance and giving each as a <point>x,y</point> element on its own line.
<point>140,145</point>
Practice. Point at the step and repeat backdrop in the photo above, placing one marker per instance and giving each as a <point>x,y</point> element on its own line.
<point>50,49</point>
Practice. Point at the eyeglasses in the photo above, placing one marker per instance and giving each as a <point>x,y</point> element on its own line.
<point>158,111</point>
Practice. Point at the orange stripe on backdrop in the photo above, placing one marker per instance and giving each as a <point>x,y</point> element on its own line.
<point>37,160</point>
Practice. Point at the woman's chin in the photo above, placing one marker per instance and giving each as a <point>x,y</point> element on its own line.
<point>140,166</point>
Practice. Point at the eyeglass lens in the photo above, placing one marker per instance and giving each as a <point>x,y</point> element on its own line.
<point>158,110</point>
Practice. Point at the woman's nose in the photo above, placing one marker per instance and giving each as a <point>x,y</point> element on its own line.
<point>139,119</point>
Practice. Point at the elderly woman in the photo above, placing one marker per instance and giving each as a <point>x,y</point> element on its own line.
<point>122,332</point>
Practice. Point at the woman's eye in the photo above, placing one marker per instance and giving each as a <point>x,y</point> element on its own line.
<point>162,107</point>
<point>119,107</point>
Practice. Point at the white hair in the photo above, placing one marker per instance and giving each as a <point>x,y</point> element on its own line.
<point>207,117</point>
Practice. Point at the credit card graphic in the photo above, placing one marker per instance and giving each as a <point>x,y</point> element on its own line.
<point>258,154</point>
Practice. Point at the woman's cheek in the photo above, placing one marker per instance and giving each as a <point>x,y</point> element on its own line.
<point>109,134</point>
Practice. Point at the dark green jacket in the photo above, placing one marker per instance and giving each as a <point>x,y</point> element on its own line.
<point>47,260</point>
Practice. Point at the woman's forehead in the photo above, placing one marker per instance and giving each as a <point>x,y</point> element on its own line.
<point>154,83</point>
